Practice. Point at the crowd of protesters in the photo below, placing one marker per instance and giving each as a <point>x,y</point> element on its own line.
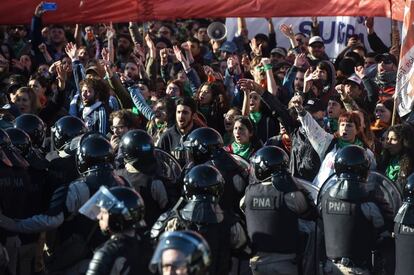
<point>170,78</point>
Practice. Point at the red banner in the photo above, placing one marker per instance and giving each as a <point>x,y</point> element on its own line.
<point>101,11</point>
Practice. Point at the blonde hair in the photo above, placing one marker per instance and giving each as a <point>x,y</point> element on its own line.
<point>34,100</point>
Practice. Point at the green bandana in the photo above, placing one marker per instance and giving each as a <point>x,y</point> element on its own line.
<point>255,117</point>
<point>342,143</point>
<point>242,150</point>
<point>393,169</point>
<point>160,125</point>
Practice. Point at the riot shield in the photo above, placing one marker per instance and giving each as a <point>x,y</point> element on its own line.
<point>168,166</point>
<point>383,192</point>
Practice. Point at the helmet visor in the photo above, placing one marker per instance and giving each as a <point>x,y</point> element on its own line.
<point>103,198</point>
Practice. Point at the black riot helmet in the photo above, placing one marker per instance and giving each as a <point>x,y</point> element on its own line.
<point>352,163</point>
<point>65,129</point>
<point>409,189</point>
<point>137,148</point>
<point>196,255</point>
<point>203,143</point>
<point>268,161</point>
<point>124,205</point>
<point>203,181</point>
<point>20,139</point>
<point>33,126</point>
<point>94,151</point>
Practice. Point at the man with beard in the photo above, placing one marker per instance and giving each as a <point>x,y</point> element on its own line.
<point>382,86</point>
<point>124,49</point>
<point>94,112</point>
<point>316,51</point>
<point>17,42</point>
<point>172,139</point>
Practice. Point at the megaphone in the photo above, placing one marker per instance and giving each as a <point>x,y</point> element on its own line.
<point>217,31</point>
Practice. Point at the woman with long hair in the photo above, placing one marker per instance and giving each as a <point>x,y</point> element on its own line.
<point>212,102</point>
<point>245,142</point>
<point>397,159</point>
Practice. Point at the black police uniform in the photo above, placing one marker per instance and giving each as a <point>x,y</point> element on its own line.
<point>404,231</point>
<point>203,186</point>
<point>350,230</point>
<point>143,173</point>
<point>206,146</point>
<point>273,205</point>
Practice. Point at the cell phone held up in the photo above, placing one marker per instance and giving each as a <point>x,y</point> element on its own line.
<point>49,6</point>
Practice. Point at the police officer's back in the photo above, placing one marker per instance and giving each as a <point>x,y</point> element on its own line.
<point>120,212</point>
<point>205,145</point>
<point>203,186</point>
<point>273,205</point>
<point>350,218</point>
<point>141,171</point>
<point>62,160</point>
<point>404,231</point>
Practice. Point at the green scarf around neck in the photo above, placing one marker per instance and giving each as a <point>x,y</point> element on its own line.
<point>342,143</point>
<point>393,169</point>
<point>255,117</point>
<point>242,150</point>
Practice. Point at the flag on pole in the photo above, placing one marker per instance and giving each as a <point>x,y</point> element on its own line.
<point>405,75</point>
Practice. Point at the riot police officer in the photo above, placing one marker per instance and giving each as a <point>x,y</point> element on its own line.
<point>273,204</point>
<point>203,186</point>
<point>95,164</point>
<point>404,231</point>
<point>141,171</point>
<point>62,160</point>
<point>120,211</point>
<point>351,218</point>
<point>14,185</point>
<point>205,145</point>
<point>34,127</point>
<point>38,193</point>
<point>181,252</point>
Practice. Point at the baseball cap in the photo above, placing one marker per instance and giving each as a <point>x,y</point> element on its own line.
<point>316,39</point>
<point>313,105</point>
<point>278,50</point>
<point>228,47</point>
<point>353,79</point>
<point>387,58</point>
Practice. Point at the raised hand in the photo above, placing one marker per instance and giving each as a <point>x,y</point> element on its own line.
<point>39,11</point>
<point>17,64</point>
<point>301,61</point>
<point>360,71</point>
<point>178,54</point>
<point>72,51</point>
<point>287,30</point>
<point>256,49</point>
